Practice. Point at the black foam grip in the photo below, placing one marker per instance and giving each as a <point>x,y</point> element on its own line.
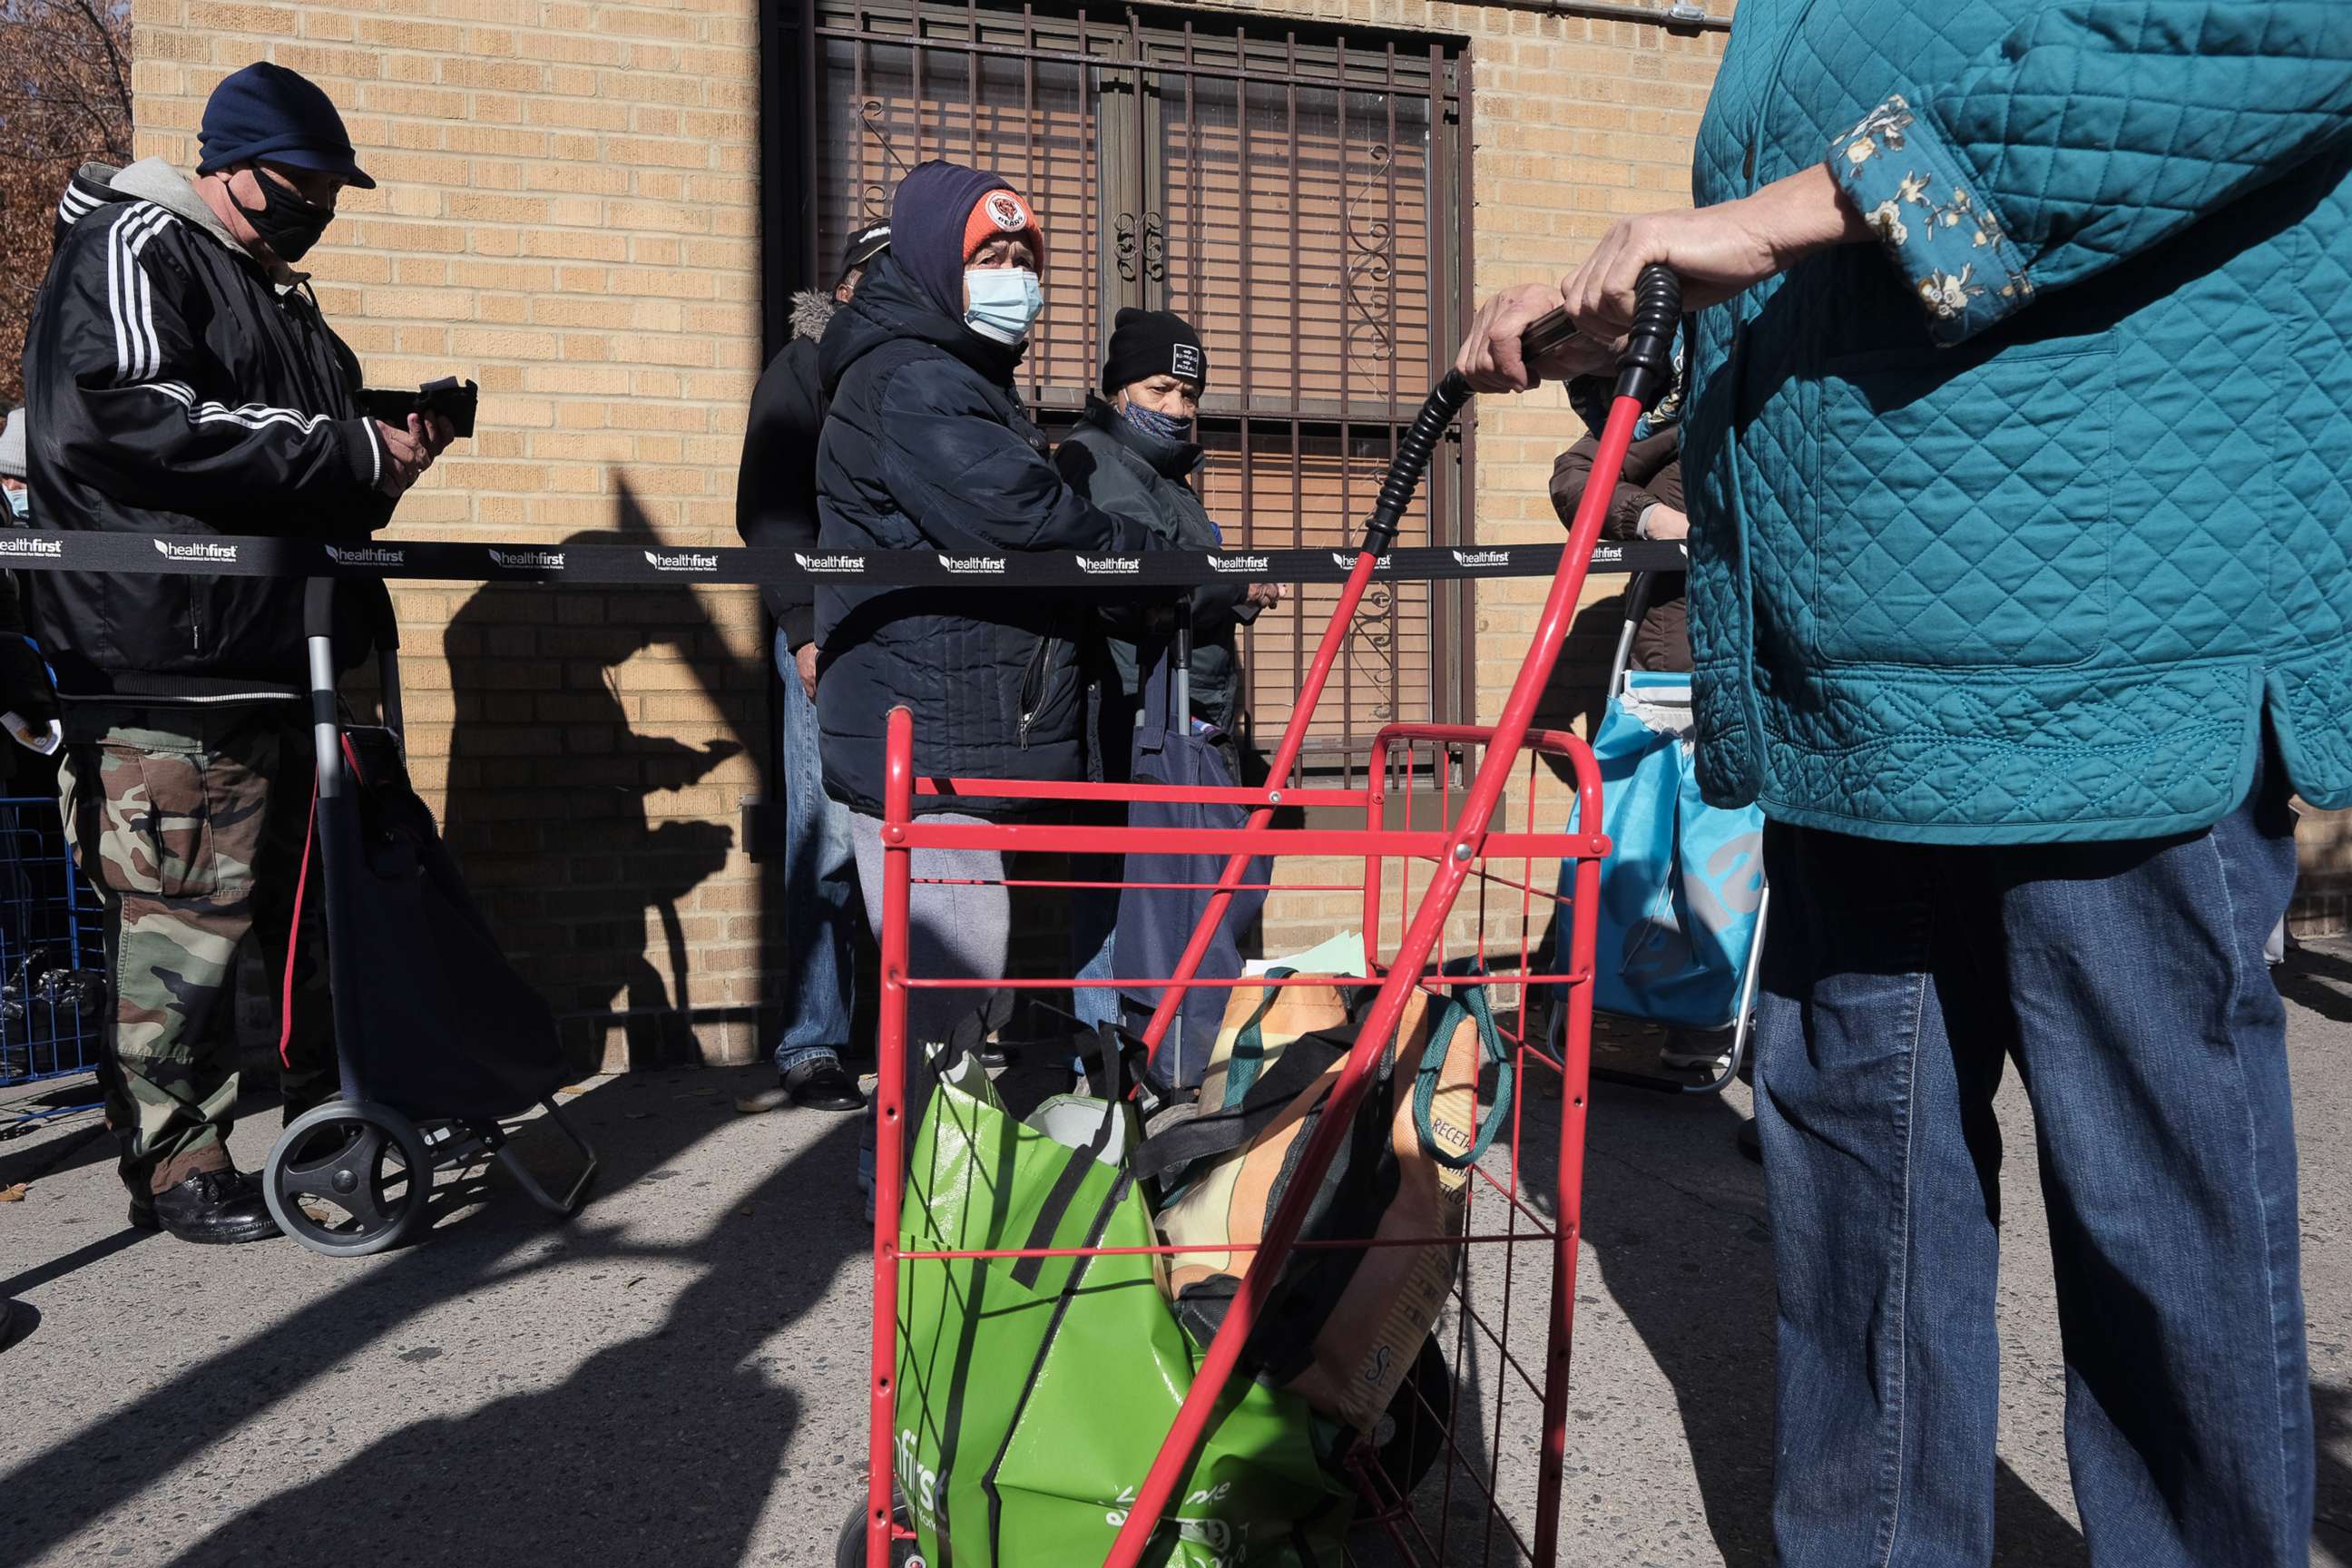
<point>1649,367</point>
<point>1412,460</point>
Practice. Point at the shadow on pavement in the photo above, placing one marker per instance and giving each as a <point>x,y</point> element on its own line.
<point>1677,1218</point>
<point>662,1446</point>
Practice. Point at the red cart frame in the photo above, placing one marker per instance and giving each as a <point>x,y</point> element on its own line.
<point>1466,847</point>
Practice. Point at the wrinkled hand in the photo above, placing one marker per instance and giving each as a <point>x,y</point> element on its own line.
<point>1716,251</point>
<point>408,453</point>
<point>1665,522</point>
<point>804,662</point>
<point>1265,596</point>
<point>1490,356</point>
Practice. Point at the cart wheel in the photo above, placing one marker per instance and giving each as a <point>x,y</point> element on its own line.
<point>349,1179</point>
<point>851,1551</point>
<point>1410,1433</point>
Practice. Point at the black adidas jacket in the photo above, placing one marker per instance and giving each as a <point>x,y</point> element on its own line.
<point>173,388</point>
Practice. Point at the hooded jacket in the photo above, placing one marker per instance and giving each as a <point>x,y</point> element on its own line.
<point>1121,468</point>
<point>776,493</point>
<point>927,446</point>
<point>175,387</point>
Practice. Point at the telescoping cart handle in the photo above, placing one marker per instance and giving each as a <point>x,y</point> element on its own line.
<point>319,638</point>
<point>1643,377</point>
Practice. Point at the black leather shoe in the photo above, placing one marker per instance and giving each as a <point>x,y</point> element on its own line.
<point>1751,1143</point>
<point>217,1208</point>
<point>822,1086</point>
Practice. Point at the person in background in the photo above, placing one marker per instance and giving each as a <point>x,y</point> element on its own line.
<point>775,508</point>
<point>12,1318</point>
<point>1646,504</point>
<point>28,703</point>
<point>18,495</point>
<point>181,381</point>
<point>928,445</point>
<point>1996,307</point>
<point>1134,453</point>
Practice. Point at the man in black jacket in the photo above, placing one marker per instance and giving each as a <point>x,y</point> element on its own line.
<point>182,383</point>
<point>775,508</point>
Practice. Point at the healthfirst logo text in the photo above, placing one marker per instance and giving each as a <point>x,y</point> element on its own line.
<point>1341,558</point>
<point>841,564</point>
<point>1110,565</point>
<point>365,555</point>
<point>681,561</point>
<point>35,549</point>
<point>974,565</point>
<point>1242,562</point>
<point>198,550</point>
<point>1482,557</point>
<point>528,560</point>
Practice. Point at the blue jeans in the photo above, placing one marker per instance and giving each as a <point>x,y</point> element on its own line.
<point>2127,982</point>
<point>820,889</point>
<point>1093,921</point>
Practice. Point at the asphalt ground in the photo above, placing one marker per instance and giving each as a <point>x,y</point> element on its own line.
<point>676,1376</point>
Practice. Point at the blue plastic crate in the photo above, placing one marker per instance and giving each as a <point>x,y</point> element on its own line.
<point>54,991</point>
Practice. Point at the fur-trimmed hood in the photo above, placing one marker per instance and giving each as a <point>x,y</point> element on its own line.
<point>811,312</point>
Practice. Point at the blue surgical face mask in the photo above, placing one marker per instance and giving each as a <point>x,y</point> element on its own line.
<point>1151,422</point>
<point>1005,301</point>
<point>20,502</point>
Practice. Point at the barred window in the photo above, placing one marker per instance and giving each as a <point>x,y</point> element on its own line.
<point>1299,194</point>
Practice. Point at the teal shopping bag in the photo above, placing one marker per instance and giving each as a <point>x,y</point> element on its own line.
<point>1683,887</point>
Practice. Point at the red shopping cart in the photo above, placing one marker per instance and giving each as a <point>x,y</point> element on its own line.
<point>1494,1492</point>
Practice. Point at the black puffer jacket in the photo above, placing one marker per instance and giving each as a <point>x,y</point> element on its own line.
<point>775,494</point>
<point>926,446</point>
<point>175,388</point>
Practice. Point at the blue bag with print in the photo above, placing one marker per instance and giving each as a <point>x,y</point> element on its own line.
<point>1683,887</point>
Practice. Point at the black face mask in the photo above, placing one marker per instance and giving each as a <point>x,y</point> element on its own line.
<point>286,223</point>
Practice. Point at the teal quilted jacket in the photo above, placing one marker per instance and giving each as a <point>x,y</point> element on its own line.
<point>2018,526</point>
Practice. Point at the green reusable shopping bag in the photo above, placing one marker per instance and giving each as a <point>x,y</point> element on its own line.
<point>1033,1393</point>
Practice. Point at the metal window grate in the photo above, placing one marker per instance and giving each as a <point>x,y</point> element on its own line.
<point>1299,194</point>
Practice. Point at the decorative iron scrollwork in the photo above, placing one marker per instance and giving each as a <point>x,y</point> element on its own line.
<point>1140,246</point>
<point>1370,265</point>
<point>874,195</point>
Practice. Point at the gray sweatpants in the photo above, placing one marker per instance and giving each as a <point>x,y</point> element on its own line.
<point>959,922</point>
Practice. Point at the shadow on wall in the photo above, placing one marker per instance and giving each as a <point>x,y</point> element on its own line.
<point>553,797</point>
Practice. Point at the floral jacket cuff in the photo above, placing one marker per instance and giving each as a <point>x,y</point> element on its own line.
<point>1949,243</point>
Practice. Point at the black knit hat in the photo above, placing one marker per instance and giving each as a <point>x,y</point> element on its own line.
<point>270,114</point>
<point>1146,343</point>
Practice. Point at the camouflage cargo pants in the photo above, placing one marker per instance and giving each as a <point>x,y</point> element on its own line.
<point>190,822</point>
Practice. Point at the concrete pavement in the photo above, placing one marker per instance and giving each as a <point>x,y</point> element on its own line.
<point>675,1377</point>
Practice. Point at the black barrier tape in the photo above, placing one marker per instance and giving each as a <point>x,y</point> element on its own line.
<point>444,559</point>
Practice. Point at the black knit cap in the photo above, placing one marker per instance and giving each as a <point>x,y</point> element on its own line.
<point>269,113</point>
<point>1145,343</point>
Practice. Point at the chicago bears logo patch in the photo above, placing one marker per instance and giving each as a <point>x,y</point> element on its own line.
<point>1005,211</point>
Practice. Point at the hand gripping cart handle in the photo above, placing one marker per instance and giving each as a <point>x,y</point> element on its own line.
<point>436,1038</point>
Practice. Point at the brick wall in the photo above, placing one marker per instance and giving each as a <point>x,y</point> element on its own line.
<point>566,213</point>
